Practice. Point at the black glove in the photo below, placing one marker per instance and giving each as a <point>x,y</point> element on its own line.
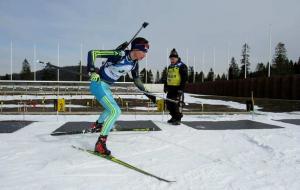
<point>151,97</point>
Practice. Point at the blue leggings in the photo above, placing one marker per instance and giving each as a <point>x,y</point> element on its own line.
<point>111,111</point>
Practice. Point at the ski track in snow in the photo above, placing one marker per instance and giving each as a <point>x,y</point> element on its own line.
<point>197,159</point>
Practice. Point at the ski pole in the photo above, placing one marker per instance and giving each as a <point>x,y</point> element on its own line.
<point>167,99</point>
<point>179,102</point>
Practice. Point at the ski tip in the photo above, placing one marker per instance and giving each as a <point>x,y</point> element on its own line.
<point>165,180</point>
<point>57,133</point>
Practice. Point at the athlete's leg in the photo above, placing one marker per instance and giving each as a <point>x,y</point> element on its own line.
<point>111,109</point>
<point>111,113</point>
<point>98,90</point>
<point>114,111</point>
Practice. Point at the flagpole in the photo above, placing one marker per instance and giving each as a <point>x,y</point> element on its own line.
<point>202,65</point>
<point>214,55</point>
<point>34,62</point>
<point>270,50</point>
<point>194,77</point>
<point>58,61</point>
<point>11,60</point>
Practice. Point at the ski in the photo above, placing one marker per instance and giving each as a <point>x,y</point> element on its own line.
<point>87,131</point>
<point>118,161</point>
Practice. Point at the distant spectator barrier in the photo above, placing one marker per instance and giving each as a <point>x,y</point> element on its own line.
<point>277,87</point>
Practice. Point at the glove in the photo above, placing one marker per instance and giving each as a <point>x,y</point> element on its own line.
<point>94,77</point>
<point>151,97</point>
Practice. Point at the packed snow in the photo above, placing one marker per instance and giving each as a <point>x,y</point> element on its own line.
<point>197,159</point>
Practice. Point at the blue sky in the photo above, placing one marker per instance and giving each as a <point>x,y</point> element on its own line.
<point>191,26</point>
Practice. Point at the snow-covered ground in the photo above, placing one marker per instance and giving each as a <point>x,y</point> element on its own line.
<point>39,106</point>
<point>140,108</point>
<point>197,159</point>
<point>193,98</point>
<point>189,98</point>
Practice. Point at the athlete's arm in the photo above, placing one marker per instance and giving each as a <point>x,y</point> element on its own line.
<point>139,84</point>
<point>136,78</point>
<point>94,54</point>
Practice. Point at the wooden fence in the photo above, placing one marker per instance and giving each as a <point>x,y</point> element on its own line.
<point>277,87</point>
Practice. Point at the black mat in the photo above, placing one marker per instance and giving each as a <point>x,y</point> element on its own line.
<point>78,127</point>
<point>291,121</point>
<point>228,125</point>
<point>12,126</point>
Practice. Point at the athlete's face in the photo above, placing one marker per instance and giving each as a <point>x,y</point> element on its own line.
<point>173,60</point>
<point>137,55</point>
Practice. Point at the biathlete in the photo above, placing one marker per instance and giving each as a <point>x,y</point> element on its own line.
<point>118,64</point>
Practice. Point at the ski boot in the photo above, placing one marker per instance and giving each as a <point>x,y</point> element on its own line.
<point>171,120</point>
<point>176,122</point>
<point>96,127</point>
<point>100,146</point>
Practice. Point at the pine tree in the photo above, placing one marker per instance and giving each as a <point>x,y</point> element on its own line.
<point>210,75</point>
<point>164,75</point>
<point>297,67</point>
<point>190,74</point>
<point>5,77</point>
<point>127,78</point>
<point>143,75</point>
<point>202,76</point>
<point>260,70</point>
<point>223,77</point>
<point>157,79</point>
<point>149,76</point>
<point>291,67</point>
<point>280,60</point>
<point>199,77</point>
<point>245,61</point>
<point>26,71</point>
<point>233,69</point>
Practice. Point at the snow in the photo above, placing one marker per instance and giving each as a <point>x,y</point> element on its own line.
<point>46,97</point>
<point>189,98</point>
<point>197,159</point>
<point>144,108</point>
<point>39,106</point>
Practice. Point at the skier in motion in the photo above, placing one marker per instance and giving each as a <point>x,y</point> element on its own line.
<point>118,64</point>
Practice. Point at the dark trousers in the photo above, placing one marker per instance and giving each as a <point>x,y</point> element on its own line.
<point>173,107</point>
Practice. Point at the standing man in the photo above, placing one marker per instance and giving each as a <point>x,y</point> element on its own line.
<point>118,64</point>
<point>177,75</point>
